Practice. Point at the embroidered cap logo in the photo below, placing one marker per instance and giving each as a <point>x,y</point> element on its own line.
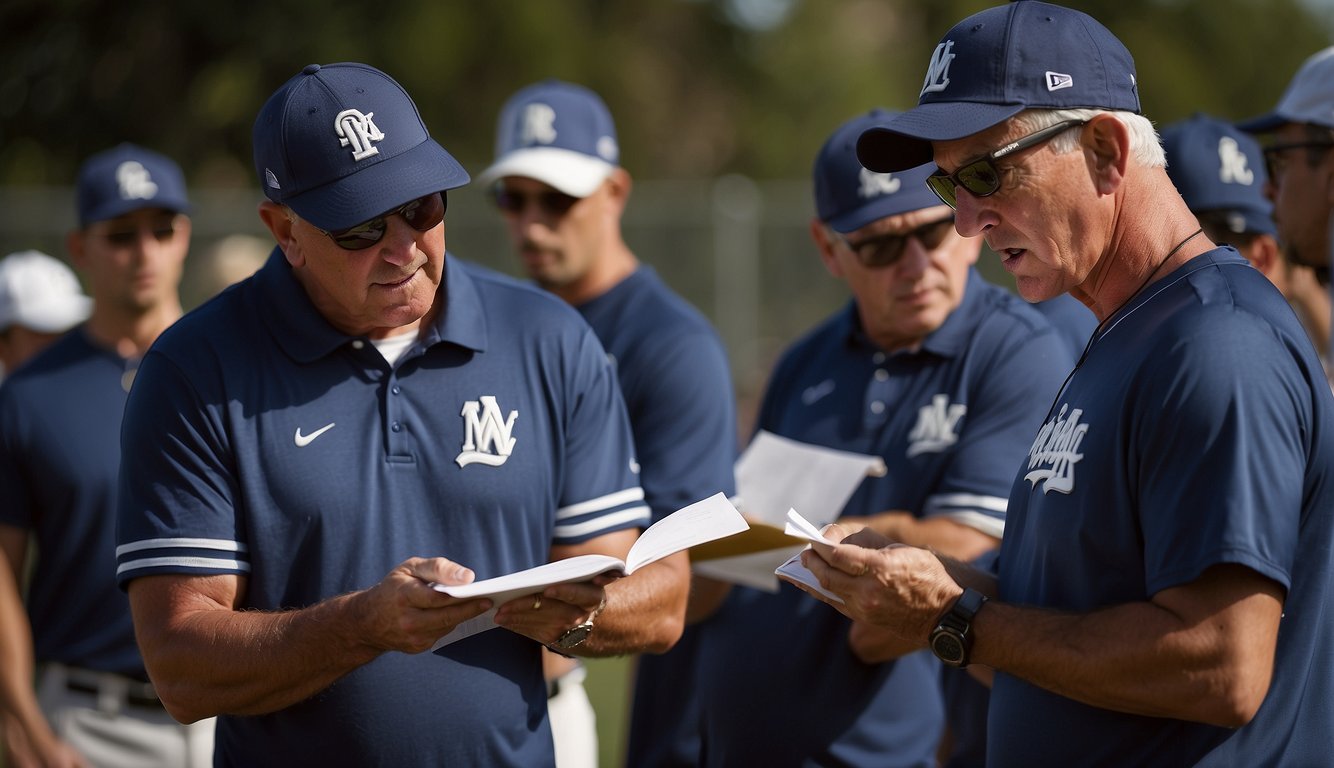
<point>357,130</point>
<point>875,184</point>
<point>938,72</point>
<point>1232,165</point>
<point>538,125</point>
<point>135,181</point>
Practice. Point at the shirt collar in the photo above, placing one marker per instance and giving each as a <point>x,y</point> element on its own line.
<point>305,335</point>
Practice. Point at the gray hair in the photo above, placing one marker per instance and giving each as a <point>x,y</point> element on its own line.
<point>1145,146</point>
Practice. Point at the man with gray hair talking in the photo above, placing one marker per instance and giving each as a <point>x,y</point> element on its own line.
<point>1162,587</point>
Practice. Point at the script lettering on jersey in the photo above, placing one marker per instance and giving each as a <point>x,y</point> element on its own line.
<point>938,72</point>
<point>357,130</point>
<point>135,181</point>
<point>538,125</point>
<point>1232,165</point>
<point>1055,452</point>
<point>937,426</point>
<point>487,437</point>
<point>876,184</point>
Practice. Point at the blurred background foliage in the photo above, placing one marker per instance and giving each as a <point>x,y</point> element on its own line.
<point>699,87</point>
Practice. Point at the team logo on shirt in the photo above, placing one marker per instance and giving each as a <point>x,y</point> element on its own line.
<point>487,435</point>
<point>937,426</point>
<point>1055,452</point>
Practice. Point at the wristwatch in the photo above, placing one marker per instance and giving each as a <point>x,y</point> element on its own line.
<point>576,635</point>
<point>952,639</point>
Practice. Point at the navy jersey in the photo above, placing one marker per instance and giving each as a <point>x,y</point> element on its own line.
<point>60,417</point>
<point>272,446</point>
<point>674,375</point>
<point>1198,431</point>
<point>1073,321</point>
<point>779,685</point>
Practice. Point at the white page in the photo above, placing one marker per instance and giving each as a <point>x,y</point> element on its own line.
<point>775,474</point>
<point>794,570</point>
<point>706,520</point>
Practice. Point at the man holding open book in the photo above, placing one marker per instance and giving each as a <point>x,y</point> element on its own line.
<point>898,373</point>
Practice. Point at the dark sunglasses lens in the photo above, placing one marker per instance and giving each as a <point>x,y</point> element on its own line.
<point>943,186</point>
<point>362,236</point>
<point>933,234</point>
<point>979,178</point>
<point>424,213</point>
<point>551,203</point>
<point>882,251</point>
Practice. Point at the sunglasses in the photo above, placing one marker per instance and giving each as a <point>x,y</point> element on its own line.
<point>422,214</point>
<point>981,178</point>
<point>162,231</point>
<point>552,203</point>
<point>1275,160</point>
<point>883,251</point>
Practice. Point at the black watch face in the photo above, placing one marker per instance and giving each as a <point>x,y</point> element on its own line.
<point>574,636</point>
<point>948,648</point>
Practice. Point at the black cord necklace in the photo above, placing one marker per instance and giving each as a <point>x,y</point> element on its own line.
<point>1097,332</point>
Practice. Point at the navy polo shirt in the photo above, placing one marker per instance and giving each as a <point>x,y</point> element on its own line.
<point>674,375</point>
<point>60,417</point>
<point>779,684</point>
<point>270,445</point>
<point>1198,431</point>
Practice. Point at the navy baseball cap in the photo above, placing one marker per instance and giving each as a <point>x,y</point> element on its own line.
<point>1217,167</point>
<point>343,143</point>
<point>559,133</point>
<point>127,178</point>
<point>1309,97</point>
<point>999,62</point>
<point>848,196</point>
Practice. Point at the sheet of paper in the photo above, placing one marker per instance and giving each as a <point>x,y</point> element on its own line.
<point>794,570</point>
<point>705,520</point>
<point>775,474</point>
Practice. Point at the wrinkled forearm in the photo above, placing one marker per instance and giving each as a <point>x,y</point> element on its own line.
<point>208,662</point>
<point>645,611</point>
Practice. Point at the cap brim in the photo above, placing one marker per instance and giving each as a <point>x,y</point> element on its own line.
<point>54,316</point>
<point>1263,124</point>
<point>570,172</point>
<point>371,191</point>
<point>905,141</point>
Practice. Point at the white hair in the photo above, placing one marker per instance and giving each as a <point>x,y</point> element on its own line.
<point>1145,146</point>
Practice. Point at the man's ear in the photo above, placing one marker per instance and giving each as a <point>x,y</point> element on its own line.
<point>1106,143</point>
<point>822,243</point>
<point>280,222</point>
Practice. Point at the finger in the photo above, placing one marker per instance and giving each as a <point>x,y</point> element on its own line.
<point>835,532</point>
<point>840,607</point>
<point>438,569</point>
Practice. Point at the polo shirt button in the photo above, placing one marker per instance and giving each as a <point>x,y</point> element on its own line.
<point>877,407</point>
<point>878,358</point>
<point>395,389</point>
<point>358,343</point>
<point>397,427</point>
<point>881,374</point>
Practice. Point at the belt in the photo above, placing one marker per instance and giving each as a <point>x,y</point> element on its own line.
<point>108,684</point>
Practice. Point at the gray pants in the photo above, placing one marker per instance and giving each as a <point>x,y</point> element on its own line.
<point>115,725</point>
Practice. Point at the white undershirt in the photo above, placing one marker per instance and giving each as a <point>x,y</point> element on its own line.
<point>393,347</point>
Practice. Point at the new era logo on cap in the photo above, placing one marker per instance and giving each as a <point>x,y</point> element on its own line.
<point>997,63</point>
<point>343,143</point>
<point>559,133</point>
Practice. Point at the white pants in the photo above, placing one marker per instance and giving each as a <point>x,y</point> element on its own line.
<point>573,724</point>
<point>111,730</point>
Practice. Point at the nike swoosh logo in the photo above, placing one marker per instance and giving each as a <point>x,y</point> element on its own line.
<point>813,394</point>
<point>304,440</point>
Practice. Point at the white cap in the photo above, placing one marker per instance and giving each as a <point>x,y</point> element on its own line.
<point>40,293</point>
